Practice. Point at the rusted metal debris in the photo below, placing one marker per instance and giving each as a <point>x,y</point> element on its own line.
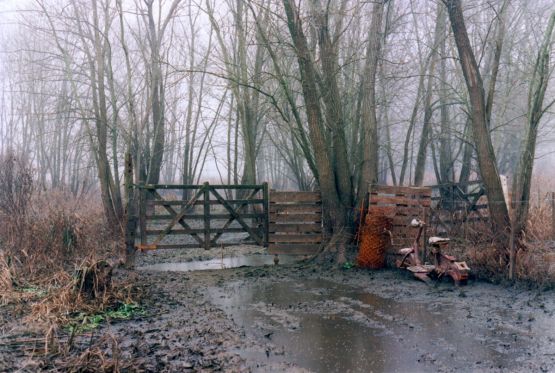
<point>443,264</point>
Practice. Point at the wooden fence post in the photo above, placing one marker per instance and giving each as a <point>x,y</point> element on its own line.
<point>553,215</point>
<point>131,223</point>
<point>266,203</point>
<point>512,251</point>
<point>142,214</point>
<point>206,216</point>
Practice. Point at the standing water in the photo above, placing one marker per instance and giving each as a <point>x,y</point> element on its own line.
<point>220,263</point>
<point>324,326</point>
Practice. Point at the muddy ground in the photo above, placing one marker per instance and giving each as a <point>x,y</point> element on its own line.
<point>308,317</point>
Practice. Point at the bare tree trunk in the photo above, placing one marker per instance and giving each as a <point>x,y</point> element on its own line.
<point>484,148</point>
<point>334,110</point>
<point>538,86</point>
<point>335,218</point>
<point>500,37</point>
<point>425,138</point>
<point>446,162</point>
<point>157,99</point>
<point>421,156</point>
<point>412,123</point>
<point>468,150</point>
<point>369,168</point>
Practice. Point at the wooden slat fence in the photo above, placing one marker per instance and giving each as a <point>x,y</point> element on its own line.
<point>295,223</point>
<point>406,203</point>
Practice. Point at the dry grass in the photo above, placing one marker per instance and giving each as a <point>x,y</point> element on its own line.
<point>54,248</point>
<point>533,251</point>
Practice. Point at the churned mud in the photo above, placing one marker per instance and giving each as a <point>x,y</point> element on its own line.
<point>311,317</point>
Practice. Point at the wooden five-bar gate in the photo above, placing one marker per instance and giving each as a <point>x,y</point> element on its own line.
<point>188,216</point>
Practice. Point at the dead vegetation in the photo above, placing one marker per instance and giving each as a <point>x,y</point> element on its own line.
<point>534,263</point>
<point>57,258</point>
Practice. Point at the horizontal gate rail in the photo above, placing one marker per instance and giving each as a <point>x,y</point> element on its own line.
<point>200,186</point>
<point>248,210</point>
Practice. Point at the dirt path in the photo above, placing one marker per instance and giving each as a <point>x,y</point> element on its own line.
<point>295,318</point>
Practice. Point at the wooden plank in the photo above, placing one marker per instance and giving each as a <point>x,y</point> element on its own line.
<point>152,232</point>
<point>282,197</point>
<point>411,211</point>
<point>295,228</point>
<point>397,200</point>
<point>293,238</point>
<point>206,191</point>
<point>289,218</point>
<point>198,186</point>
<point>201,216</point>
<point>293,249</point>
<point>266,197</point>
<point>142,215</point>
<point>167,186</point>
<point>211,202</point>
<point>392,200</point>
<point>196,246</point>
<point>286,209</point>
<point>389,189</point>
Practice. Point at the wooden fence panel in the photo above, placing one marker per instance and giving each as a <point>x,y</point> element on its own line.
<point>295,223</point>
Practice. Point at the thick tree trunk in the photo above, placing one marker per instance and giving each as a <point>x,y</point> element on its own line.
<point>335,213</point>
<point>369,167</point>
<point>484,148</point>
<point>334,110</point>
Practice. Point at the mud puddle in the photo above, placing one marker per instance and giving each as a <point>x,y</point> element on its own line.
<point>324,326</point>
<point>220,263</point>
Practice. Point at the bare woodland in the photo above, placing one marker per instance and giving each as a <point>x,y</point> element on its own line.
<point>206,185</point>
<point>308,95</point>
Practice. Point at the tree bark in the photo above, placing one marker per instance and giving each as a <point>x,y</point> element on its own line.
<point>334,211</point>
<point>334,110</point>
<point>538,86</point>
<point>425,138</point>
<point>484,148</point>
<point>369,167</point>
